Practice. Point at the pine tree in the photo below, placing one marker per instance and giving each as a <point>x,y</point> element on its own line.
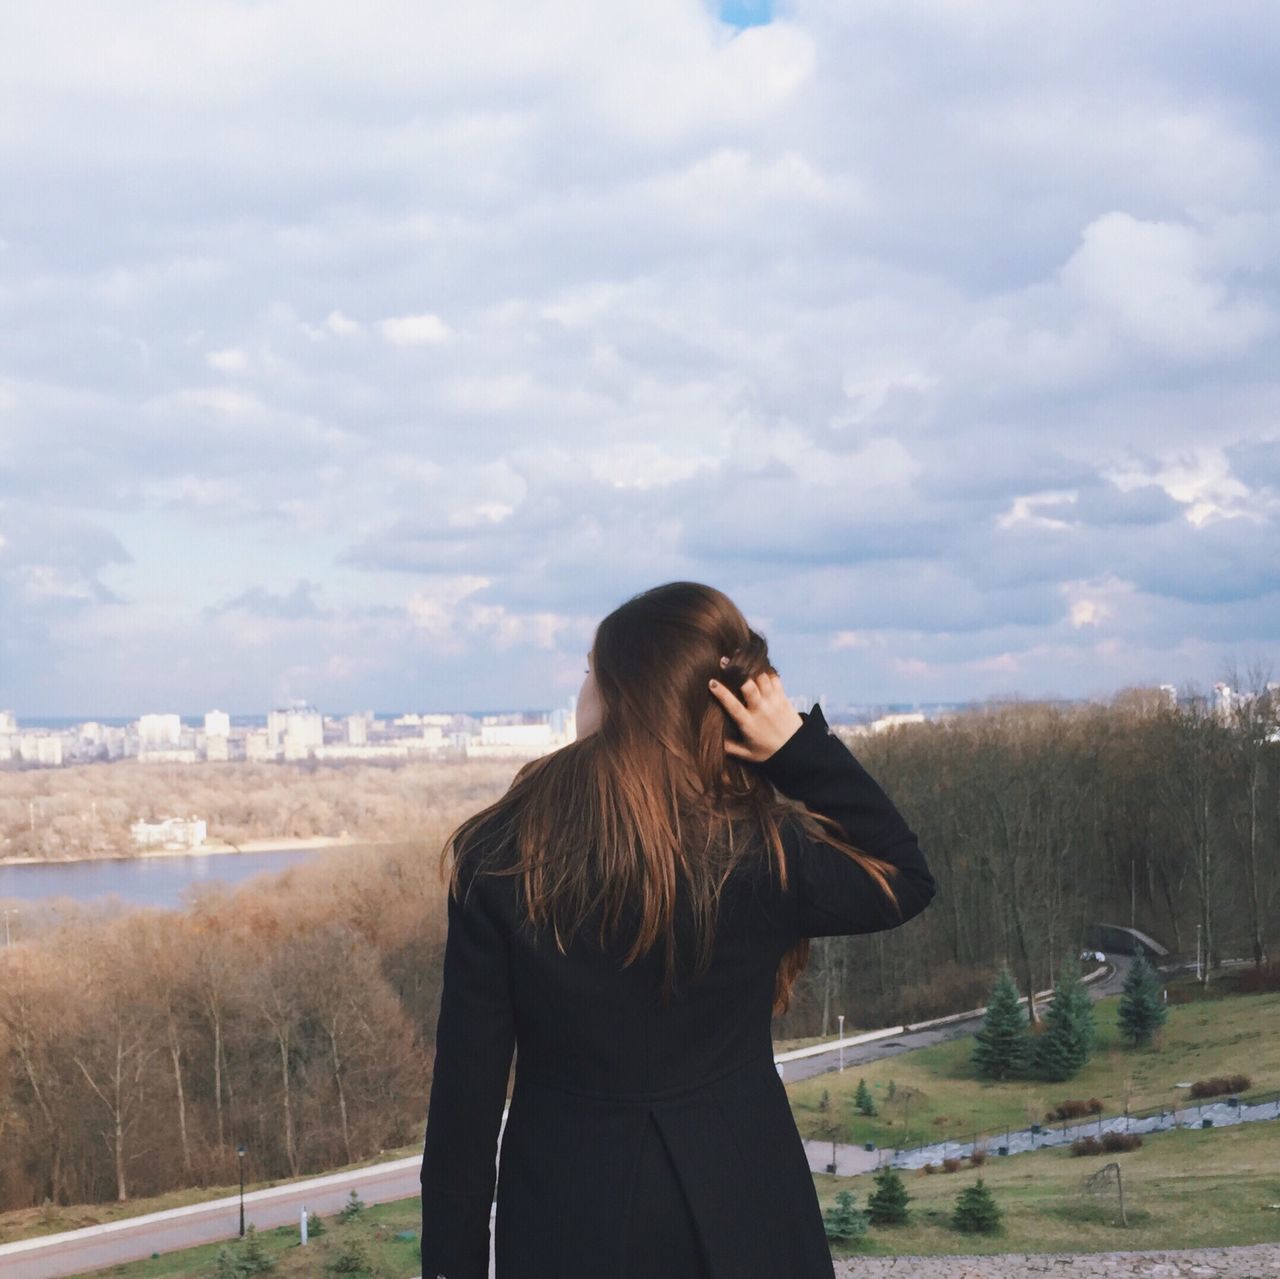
<point>887,1205</point>
<point>976,1211</point>
<point>351,1209</point>
<point>1002,1048</point>
<point>351,1259</point>
<point>255,1260</point>
<point>1141,1011</point>
<point>863,1099</point>
<point>226,1265</point>
<point>315,1225</point>
<point>1069,1031</point>
<point>844,1221</point>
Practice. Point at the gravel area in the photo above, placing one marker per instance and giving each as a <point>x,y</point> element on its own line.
<point>1258,1261</point>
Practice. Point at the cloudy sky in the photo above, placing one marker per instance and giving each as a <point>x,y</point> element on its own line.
<point>371,353</point>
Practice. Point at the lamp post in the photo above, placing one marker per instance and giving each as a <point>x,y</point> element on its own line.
<point>9,910</point>
<point>840,1018</point>
<point>241,1152</point>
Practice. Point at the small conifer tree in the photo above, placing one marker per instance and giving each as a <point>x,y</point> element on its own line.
<point>1142,1011</point>
<point>351,1259</point>
<point>1002,1048</point>
<point>1069,1032</point>
<point>976,1212</point>
<point>315,1225</point>
<point>352,1208</point>
<point>254,1260</point>
<point>226,1265</point>
<point>887,1205</point>
<point>863,1099</point>
<point>844,1220</point>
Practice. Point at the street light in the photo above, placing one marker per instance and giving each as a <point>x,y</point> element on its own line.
<point>241,1152</point>
<point>840,1018</point>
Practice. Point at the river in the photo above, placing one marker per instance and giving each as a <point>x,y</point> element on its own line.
<point>140,881</point>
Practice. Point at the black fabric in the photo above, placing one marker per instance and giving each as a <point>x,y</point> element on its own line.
<point>637,1131</point>
<point>663,1240</point>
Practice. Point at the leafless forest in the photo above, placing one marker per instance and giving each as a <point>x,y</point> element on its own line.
<point>137,1050</point>
<point>87,809</point>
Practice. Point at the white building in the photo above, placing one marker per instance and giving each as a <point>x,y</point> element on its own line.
<point>357,729</point>
<point>169,755</point>
<point>501,740</point>
<point>159,730</point>
<point>39,748</point>
<point>8,723</point>
<point>170,832</point>
<point>217,724</point>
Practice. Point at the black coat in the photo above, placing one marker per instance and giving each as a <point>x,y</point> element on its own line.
<point>602,1067</point>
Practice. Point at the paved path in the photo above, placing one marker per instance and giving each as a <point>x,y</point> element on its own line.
<point>854,1054</point>
<point>1260,1261</point>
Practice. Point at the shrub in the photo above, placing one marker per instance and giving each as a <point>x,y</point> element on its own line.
<point>978,1157</point>
<point>1074,1108</point>
<point>1260,980</point>
<point>925,1170</point>
<point>1216,1085</point>
<point>1112,1141</point>
<point>315,1225</point>
<point>952,1164</point>
<point>1086,1146</point>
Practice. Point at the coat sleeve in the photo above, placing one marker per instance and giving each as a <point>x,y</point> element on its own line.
<point>475,1039</point>
<point>830,894</point>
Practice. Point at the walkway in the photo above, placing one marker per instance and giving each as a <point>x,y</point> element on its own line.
<point>1258,1261</point>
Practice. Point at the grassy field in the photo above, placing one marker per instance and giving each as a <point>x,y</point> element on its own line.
<point>375,1230</point>
<point>938,1097</point>
<point>1187,1188</point>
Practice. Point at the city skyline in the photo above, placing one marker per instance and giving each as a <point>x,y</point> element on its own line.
<point>366,358</point>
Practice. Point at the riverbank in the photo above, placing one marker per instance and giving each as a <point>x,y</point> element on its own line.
<point>217,847</point>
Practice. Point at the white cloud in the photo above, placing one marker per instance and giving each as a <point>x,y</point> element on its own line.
<point>231,360</point>
<point>414,330</point>
<point>895,321</point>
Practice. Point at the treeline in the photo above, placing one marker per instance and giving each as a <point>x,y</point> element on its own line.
<point>1040,820</point>
<point>87,809</point>
<point>137,1051</point>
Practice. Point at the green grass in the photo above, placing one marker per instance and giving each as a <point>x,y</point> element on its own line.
<point>1186,1188</point>
<point>938,1096</point>
<point>376,1228</point>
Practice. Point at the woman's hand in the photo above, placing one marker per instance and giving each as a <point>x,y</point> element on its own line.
<point>765,721</point>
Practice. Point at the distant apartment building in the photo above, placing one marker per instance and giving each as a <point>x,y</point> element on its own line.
<point>217,749</point>
<point>159,731</point>
<point>504,740</point>
<point>217,724</point>
<point>357,727</point>
<point>170,832</point>
<point>885,722</point>
<point>258,746</point>
<point>170,755</point>
<point>8,724</point>
<point>40,748</point>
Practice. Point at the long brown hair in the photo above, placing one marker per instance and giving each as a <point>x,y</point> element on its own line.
<point>615,817</point>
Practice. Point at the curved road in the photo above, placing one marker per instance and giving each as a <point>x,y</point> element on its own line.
<point>79,1251</point>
